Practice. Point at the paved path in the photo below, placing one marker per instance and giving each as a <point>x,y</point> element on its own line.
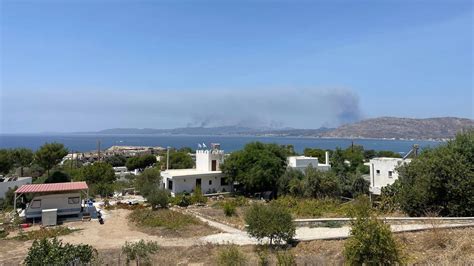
<point>232,235</point>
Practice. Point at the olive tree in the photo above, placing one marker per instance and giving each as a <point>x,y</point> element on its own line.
<point>270,221</point>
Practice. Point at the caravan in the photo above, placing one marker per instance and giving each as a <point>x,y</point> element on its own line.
<point>65,203</point>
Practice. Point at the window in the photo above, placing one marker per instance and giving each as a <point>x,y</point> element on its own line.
<point>378,172</point>
<point>73,200</point>
<point>390,173</point>
<point>224,181</point>
<point>210,182</point>
<point>36,204</point>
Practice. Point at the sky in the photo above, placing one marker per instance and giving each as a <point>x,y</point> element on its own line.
<point>68,66</point>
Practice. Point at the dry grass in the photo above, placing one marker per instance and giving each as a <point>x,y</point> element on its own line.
<point>440,246</point>
<point>168,223</point>
<point>217,214</point>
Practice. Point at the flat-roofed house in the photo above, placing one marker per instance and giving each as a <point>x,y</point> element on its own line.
<point>383,172</point>
<point>207,174</point>
<point>302,162</point>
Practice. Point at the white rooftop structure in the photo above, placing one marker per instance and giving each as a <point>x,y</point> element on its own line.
<point>302,162</point>
<point>206,175</point>
<point>12,182</point>
<point>383,172</point>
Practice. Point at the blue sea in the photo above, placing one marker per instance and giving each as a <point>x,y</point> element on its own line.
<point>83,143</point>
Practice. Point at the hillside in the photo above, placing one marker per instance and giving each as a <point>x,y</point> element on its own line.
<point>378,128</point>
<point>403,128</point>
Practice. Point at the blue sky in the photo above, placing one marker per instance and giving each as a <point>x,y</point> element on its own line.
<point>88,65</point>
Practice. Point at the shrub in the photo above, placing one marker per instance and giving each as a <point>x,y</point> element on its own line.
<point>240,201</point>
<point>285,258</point>
<point>139,251</point>
<point>231,256</point>
<point>389,201</point>
<point>440,180</point>
<point>159,197</point>
<point>54,252</point>
<point>371,241</point>
<point>229,208</point>
<point>181,200</point>
<point>262,253</point>
<point>198,197</point>
<point>272,221</point>
<point>44,233</point>
<point>3,233</point>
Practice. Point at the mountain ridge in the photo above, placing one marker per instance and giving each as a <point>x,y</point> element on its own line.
<point>386,127</point>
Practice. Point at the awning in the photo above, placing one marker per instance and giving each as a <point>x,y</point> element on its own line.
<point>53,187</point>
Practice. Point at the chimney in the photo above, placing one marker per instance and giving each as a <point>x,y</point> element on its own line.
<point>327,157</point>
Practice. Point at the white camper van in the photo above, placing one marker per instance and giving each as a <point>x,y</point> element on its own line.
<point>65,203</point>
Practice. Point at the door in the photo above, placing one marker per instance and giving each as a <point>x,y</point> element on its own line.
<point>214,165</point>
<point>198,182</point>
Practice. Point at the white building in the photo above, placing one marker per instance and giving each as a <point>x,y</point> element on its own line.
<point>302,162</point>
<point>383,172</point>
<point>121,172</point>
<point>207,174</point>
<point>12,182</point>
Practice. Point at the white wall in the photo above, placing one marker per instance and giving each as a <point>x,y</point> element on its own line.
<point>302,162</point>
<point>204,159</point>
<point>379,172</point>
<point>188,183</point>
<point>4,186</point>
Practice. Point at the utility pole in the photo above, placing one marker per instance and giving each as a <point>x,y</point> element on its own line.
<point>168,158</point>
<point>98,149</point>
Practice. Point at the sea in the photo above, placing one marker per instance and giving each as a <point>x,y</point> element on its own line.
<point>84,143</point>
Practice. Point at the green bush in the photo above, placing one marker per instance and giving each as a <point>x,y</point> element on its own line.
<point>198,197</point>
<point>389,200</point>
<point>371,242</point>
<point>54,252</point>
<point>440,180</point>
<point>181,200</point>
<point>272,221</point>
<point>262,253</point>
<point>159,197</point>
<point>240,201</point>
<point>229,208</point>
<point>139,251</point>
<point>44,233</point>
<point>231,256</point>
<point>285,258</point>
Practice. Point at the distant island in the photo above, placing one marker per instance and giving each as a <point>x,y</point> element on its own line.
<point>438,128</point>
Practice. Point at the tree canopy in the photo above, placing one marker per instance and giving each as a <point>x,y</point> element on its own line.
<point>50,154</point>
<point>21,157</point>
<point>180,160</point>
<point>258,166</point>
<point>6,162</point>
<point>116,160</point>
<point>271,221</point>
<point>100,176</point>
<point>99,172</point>
<point>140,162</point>
<point>58,177</point>
<point>440,180</point>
